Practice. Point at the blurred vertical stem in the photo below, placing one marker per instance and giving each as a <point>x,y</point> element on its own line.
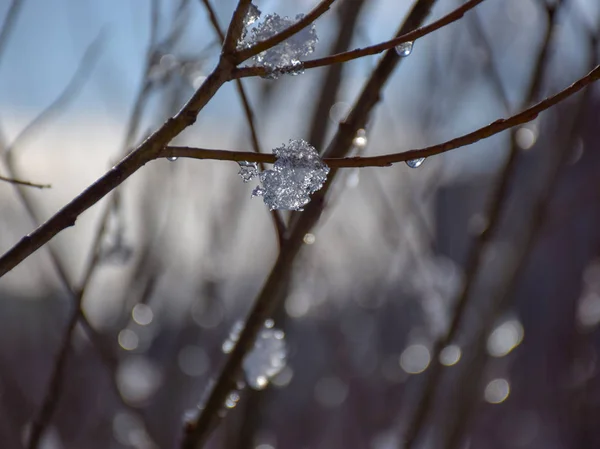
<point>496,204</point>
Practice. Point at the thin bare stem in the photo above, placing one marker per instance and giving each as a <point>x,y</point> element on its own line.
<point>236,26</point>
<point>388,159</point>
<point>411,36</point>
<point>24,183</point>
<point>278,222</point>
<point>496,205</point>
<point>9,22</point>
<point>305,21</point>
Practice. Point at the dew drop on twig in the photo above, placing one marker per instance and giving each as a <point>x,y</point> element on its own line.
<point>404,49</point>
<point>415,163</point>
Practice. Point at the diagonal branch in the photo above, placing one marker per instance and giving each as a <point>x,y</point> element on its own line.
<point>411,36</point>
<point>271,42</point>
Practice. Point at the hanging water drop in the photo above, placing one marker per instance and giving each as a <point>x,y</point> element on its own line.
<point>404,49</point>
<point>415,163</point>
<point>360,140</point>
<point>172,158</point>
<point>232,399</point>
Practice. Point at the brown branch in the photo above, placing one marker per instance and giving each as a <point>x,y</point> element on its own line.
<point>24,183</point>
<point>388,159</point>
<point>236,26</point>
<point>145,152</point>
<point>271,42</point>
<point>411,36</point>
<point>496,204</point>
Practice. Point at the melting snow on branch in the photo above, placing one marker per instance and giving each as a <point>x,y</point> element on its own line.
<point>267,358</point>
<point>284,57</point>
<point>297,173</point>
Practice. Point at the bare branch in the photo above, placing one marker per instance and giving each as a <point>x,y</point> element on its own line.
<point>24,183</point>
<point>388,159</point>
<point>278,222</point>
<point>9,22</point>
<point>271,42</point>
<point>367,51</point>
<point>236,27</point>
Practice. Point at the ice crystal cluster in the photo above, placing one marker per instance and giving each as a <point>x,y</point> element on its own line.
<point>283,57</point>
<point>297,173</point>
<point>267,358</point>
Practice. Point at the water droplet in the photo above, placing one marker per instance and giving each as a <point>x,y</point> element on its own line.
<point>248,170</point>
<point>497,391</point>
<point>505,338</point>
<point>142,314</point>
<point>269,323</point>
<point>128,339</point>
<point>172,158</point>
<point>450,355</point>
<point>415,163</point>
<point>360,140</point>
<point>232,399</point>
<point>415,359</point>
<point>309,239</point>
<point>404,49</point>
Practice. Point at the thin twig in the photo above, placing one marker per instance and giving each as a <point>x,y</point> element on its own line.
<point>71,89</point>
<point>24,183</point>
<point>496,204</point>
<point>9,22</point>
<point>278,223</point>
<point>271,42</point>
<point>411,36</point>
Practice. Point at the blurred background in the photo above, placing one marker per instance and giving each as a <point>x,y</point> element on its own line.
<point>406,323</point>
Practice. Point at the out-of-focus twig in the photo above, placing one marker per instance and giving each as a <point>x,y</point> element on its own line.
<point>497,201</point>
<point>24,183</point>
<point>8,24</point>
<point>278,222</point>
<point>367,51</point>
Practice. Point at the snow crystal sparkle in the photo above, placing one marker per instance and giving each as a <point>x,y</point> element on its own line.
<point>297,173</point>
<point>284,57</point>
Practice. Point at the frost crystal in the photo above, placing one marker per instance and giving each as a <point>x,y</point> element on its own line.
<point>248,170</point>
<point>267,358</point>
<point>252,15</point>
<point>297,174</point>
<point>284,57</point>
